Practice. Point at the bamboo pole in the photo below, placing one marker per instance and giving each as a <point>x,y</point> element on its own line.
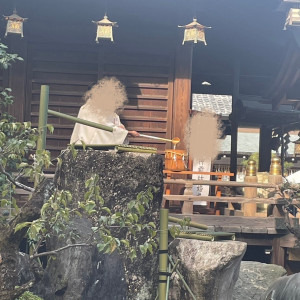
<point>42,125</point>
<point>194,236</point>
<point>191,224</point>
<point>163,253</point>
<point>80,121</point>
<point>181,277</point>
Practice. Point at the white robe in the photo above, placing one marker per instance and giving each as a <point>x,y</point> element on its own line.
<point>91,135</point>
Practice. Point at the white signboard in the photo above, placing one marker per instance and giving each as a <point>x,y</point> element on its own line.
<point>201,190</point>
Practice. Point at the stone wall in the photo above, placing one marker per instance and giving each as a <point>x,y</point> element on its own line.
<point>83,273</point>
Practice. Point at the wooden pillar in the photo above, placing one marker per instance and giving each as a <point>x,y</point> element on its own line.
<point>17,76</point>
<point>182,91</point>
<point>278,253</point>
<point>234,119</point>
<point>264,148</point>
<point>187,207</point>
<point>250,192</point>
<point>181,98</point>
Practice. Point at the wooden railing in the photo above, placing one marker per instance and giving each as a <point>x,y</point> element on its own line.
<point>188,198</point>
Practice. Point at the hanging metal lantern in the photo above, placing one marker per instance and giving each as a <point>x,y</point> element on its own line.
<point>105,29</point>
<point>194,32</point>
<point>293,18</point>
<point>297,146</point>
<point>14,24</point>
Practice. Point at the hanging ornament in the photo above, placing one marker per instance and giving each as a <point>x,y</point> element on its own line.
<point>14,24</point>
<point>105,29</point>
<point>293,18</point>
<point>194,32</point>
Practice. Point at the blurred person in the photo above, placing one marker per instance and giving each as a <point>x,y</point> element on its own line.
<point>103,101</point>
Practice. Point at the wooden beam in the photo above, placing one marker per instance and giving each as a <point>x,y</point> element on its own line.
<point>264,149</point>
<point>234,119</point>
<point>17,77</point>
<point>182,91</point>
<point>190,198</point>
<point>221,183</point>
<point>258,225</point>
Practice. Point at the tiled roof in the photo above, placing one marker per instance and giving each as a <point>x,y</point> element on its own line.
<point>219,104</point>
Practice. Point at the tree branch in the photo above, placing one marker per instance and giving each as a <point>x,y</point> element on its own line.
<point>56,251</point>
<point>16,183</point>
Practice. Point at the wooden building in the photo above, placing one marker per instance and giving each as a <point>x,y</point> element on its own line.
<point>246,47</point>
<point>248,55</point>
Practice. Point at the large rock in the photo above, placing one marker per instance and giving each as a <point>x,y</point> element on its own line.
<point>209,268</point>
<point>254,279</point>
<point>285,288</point>
<point>83,273</point>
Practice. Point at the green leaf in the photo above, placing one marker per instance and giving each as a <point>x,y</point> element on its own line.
<point>4,202</point>
<point>132,254</point>
<point>106,209</point>
<point>22,225</point>
<point>83,145</point>
<point>59,161</point>
<point>23,165</point>
<point>101,247</point>
<point>125,242</point>
<point>50,128</point>
<point>152,225</point>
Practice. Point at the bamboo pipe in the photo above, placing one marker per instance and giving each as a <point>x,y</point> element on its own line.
<point>191,224</point>
<point>80,121</point>
<point>163,253</point>
<point>181,277</point>
<point>195,236</point>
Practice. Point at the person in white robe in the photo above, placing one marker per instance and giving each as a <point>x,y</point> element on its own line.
<point>104,98</point>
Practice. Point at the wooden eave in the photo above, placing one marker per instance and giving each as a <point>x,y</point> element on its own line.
<point>288,74</point>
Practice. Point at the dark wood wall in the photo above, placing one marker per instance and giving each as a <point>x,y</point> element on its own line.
<point>145,57</point>
<point>69,70</point>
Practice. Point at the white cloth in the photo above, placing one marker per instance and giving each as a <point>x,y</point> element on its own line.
<point>91,135</point>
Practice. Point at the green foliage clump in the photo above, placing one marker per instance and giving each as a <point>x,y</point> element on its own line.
<point>29,296</point>
<point>128,220</point>
<point>108,224</point>
<point>17,143</point>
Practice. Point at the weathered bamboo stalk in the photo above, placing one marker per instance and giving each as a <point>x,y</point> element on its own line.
<point>163,253</point>
<point>194,236</point>
<point>42,126</point>
<point>181,278</point>
<point>191,224</point>
<point>80,121</point>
